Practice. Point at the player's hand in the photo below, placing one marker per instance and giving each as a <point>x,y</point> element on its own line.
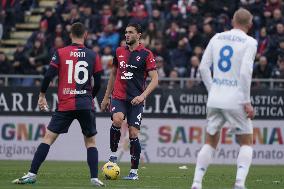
<point>249,110</point>
<point>42,103</point>
<point>137,100</point>
<point>105,104</point>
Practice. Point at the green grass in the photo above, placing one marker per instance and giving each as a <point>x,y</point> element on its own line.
<point>75,175</point>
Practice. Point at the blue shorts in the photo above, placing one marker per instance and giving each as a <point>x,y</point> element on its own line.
<point>61,121</point>
<point>132,112</point>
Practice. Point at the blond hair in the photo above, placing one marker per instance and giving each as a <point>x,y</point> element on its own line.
<point>242,17</point>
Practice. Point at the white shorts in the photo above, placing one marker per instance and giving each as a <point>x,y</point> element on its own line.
<point>237,119</point>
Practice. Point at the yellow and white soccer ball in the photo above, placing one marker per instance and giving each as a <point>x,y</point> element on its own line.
<point>111,171</point>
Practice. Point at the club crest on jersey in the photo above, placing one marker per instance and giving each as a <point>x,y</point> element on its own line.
<point>138,58</point>
<point>54,58</point>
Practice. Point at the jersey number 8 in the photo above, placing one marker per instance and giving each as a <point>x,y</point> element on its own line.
<point>225,58</point>
<point>79,67</point>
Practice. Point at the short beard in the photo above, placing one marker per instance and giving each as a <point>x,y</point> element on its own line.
<point>131,42</point>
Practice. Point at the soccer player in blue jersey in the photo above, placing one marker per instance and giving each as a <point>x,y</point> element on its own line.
<point>75,66</point>
<point>126,86</point>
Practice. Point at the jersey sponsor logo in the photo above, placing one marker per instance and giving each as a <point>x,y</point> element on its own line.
<point>120,56</point>
<point>126,74</point>
<point>67,91</point>
<point>226,82</point>
<point>77,54</point>
<point>138,58</point>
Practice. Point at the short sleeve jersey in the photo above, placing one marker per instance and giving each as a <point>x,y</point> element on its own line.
<point>76,65</point>
<point>132,71</point>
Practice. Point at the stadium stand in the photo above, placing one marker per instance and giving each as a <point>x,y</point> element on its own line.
<point>175,30</point>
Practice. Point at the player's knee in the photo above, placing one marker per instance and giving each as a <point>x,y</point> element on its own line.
<point>117,120</point>
<point>133,132</point>
<point>49,137</point>
<point>246,139</point>
<point>90,142</point>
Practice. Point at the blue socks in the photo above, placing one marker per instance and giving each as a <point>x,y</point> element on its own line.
<point>92,158</point>
<point>135,150</point>
<point>39,157</point>
<point>114,138</point>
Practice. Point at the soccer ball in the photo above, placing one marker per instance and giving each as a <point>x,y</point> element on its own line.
<point>111,171</point>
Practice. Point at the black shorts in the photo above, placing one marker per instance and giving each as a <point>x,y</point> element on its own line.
<point>132,112</point>
<point>61,121</point>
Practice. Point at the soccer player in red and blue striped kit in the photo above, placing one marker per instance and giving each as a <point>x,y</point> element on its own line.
<point>75,66</point>
<point>126,87</point>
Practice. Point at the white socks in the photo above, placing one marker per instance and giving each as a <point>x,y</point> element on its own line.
<point>135,171</point>
<point>203,160</point>
<point>243,164</point>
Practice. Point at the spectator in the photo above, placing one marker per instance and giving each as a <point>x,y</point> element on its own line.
<point>180,56</point>
<point>40,35</point>
<point>106,60</point>
<point>175,16</point>
<point>262,71</point>
<point>172,35</point>
<point>193,72</point>
<point>194,15</point>
<point>139,16</point>
<point>72,17</point>
<point>37,58</point>
<point>106,14</point>
<point>194,36</point>
<point>278,72</point>
<point>109,37</point>
<point>90,20</point>
<point>5,64</point>
<point>59,32</point>
<point>160,66</point>
<point>273,43</point>
<point>158,20</point>
<point>121,20</point>
<point>150,36</point>
<point>208,33</point>
<point>262,43</point>
<point>51,20</point>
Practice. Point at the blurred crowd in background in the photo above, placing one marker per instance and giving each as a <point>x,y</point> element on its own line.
<point>177,31</point>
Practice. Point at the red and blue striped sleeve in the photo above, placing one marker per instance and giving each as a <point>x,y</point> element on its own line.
<point>55,60</point>
<point>98,65</point>
<point>150,62</point>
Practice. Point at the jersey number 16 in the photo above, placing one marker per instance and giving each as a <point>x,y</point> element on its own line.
<point>79,67</point>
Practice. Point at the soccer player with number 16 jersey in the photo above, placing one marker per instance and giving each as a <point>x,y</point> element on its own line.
<point>75,66</point>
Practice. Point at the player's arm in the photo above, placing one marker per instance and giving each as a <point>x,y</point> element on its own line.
<point>204,67</point>
<point>246,75</point>
<point>106,100</point>
<point>153,74</point>
<point>98,69</point>
<point>48,77</point>
<point>97,83</point>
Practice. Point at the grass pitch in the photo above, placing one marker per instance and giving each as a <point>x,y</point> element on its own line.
<point>75,175</point>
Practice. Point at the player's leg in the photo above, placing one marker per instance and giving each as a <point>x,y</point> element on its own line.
<point>244,159</point>
<point>87,120</point>
<point>134,117</point>
<point>242,127</point>
<point>60,123</point>
<point>205,155</point>
<point>118,109</point>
